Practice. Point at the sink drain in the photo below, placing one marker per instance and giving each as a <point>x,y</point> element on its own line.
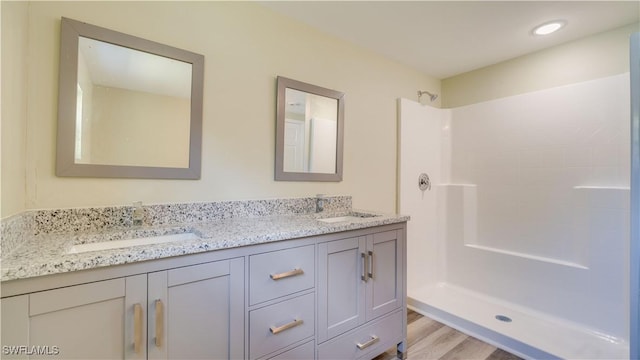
<point>503,318</point>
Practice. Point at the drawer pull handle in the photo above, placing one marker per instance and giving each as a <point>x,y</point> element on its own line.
<point>275,330</point>
<point>137,328</point>
<point>287,274</point>
<point>159,322</point>
<point>370,264</point>
<point>374,339</point>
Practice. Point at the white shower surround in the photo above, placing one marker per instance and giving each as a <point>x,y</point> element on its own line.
<point>528,216</point>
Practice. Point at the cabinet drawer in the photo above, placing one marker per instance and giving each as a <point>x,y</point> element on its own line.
<point>280,273</point>
<point>387,331</point>
<point>276,326</point>
<point>302,352</point>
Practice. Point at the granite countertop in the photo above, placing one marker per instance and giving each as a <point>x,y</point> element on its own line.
<point>48,253</point>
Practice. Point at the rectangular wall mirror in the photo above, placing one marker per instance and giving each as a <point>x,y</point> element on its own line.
<point>127,107</point>
<point>309,132</point>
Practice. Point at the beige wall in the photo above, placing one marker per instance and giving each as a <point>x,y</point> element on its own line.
<point>14,107</point>
<point>245,47</point>
<point>593,57</point>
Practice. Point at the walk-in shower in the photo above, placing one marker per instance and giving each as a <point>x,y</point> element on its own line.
<point>523,238</point>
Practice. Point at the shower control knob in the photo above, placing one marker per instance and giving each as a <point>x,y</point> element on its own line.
<point>424,183</point>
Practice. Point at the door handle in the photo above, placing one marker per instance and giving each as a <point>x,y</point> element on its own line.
<point>370,264</point>
<point>137,328</point>
<point>159,322</point>
<point>363,277</point>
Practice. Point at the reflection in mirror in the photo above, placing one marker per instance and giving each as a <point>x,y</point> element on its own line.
<point>309,132</point>
<point>128,107</point>
<point>133,107</point>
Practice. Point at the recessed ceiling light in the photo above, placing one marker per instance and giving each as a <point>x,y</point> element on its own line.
<point>549,27</point>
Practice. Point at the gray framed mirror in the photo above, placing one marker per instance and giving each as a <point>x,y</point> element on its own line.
<point>127,107</point>
<point>309,132</point>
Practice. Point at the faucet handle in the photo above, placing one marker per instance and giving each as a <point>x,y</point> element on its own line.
<point>137,216</point>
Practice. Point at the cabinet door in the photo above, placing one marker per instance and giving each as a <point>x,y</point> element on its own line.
<point>100,320</point>
<point>341,291</point>
<point>384,286</point>
<point>197,312</point>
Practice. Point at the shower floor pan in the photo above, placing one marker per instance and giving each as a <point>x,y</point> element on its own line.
<point>528,334</point>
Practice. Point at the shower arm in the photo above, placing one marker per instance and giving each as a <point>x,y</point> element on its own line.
<point>432,97</point>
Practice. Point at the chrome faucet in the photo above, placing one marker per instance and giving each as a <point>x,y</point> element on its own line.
<point>320,202</point>
<point>138,213</point>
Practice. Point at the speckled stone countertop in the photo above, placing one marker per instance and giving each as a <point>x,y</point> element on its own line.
<point>47,253</point>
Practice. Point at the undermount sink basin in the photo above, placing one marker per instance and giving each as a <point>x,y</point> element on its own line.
<point>346,218</point>
<point>116,244</point>
<point>339,219</point>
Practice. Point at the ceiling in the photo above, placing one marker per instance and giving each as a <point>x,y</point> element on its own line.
<point>120,67</point>
<point>446,38</point>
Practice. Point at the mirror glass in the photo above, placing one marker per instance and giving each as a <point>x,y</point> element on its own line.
<point>133,107</point>
<point>309,132</point>
<point>129,107</point>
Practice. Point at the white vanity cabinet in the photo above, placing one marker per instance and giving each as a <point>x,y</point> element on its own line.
<point>103,319</point>
<point>332,296</point>
<point>282,302</point>
<point>192,312</point>
<point>361,279</point>
<point>197,312</point>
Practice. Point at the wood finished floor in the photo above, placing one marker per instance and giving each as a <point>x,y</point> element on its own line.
<point>429,339</point>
